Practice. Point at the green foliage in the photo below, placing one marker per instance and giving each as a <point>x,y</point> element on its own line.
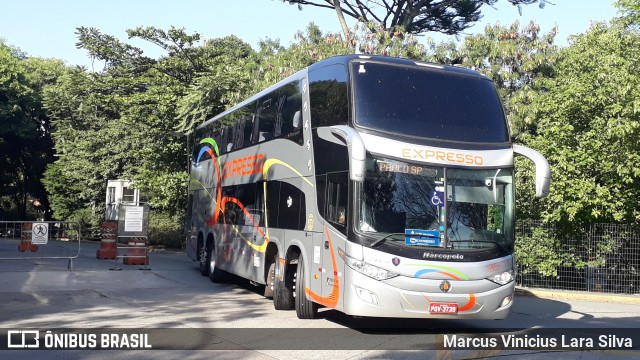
<point>371,39</point>
<point>312,46</point>
<point>411,17</point>
<point>25,144</point>
<point>586,123</point>
<point>275,63</point>
<point>129,120</point>
<point>519,60</point>
<point>630,11</point>
<point>540,253</point>
<point>213,91</point>
<point>166,230</point>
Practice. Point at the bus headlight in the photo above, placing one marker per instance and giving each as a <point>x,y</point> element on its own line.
<point>368,269</point>
<point>503,278</point>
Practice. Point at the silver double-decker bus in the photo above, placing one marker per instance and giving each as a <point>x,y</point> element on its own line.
<point>371,185</point>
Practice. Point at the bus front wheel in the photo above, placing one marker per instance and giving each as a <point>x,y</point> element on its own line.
<point>305,309</point>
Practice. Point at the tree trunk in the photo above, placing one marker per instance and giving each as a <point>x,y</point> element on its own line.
<point>343,23</point>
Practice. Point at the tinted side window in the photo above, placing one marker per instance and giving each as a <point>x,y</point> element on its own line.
<point>226,140</point>
<point>217,137</point>
<point>231,211</point>
<point>200,134</point>
<point>290,113</point>
<point>321,186</point>
<point>273,197</point>
<point>259,205</point>
<point>189,209</point>
<point>249,128</point>
<point>246,195</point>
<point>268,111</point>
<point>329,96</point>
<point>292,207</point>
<point>337,196</point>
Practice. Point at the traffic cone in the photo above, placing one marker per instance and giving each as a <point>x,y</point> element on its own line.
<point>108,249</point>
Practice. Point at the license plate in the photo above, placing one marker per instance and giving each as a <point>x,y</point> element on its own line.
<point>443,308</point>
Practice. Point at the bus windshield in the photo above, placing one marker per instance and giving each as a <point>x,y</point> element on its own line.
<point>427,102</point>
<point>437,207</point>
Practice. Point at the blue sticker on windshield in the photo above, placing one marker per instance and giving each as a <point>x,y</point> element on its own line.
<point>422,237</point>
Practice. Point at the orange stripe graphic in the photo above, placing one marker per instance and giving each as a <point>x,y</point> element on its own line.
<point>470,304</point>
<point>331,300</point>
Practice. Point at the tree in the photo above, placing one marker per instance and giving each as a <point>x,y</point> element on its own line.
<point>221,83</point>
<point>25,143</point>
<point>409,17</point>
<point>122,122</point>
<point>630,11</point>
<point>587,122</point>
<point>513,57</point>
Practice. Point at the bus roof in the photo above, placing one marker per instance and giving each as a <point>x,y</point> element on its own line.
<point>345,60</point>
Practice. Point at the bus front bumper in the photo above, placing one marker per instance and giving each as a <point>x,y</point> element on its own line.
<point>370,297</point>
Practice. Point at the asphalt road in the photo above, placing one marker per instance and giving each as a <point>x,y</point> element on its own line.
<point>185,312</point>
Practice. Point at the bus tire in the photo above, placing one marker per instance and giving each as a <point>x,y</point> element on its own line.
<point>215,274</point>
<point>270,281</point>
<point>305,309</point>
<point>202,258</point>
<point>283,291</point>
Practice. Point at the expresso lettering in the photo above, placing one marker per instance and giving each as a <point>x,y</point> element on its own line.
<point>440,155</point>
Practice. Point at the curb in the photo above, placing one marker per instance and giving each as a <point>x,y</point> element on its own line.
<point>578,295</point>
<point>150,249</point>
<point>160,250</point>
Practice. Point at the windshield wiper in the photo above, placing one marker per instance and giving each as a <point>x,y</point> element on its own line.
<point>497,244</point>
<point>382,239</point>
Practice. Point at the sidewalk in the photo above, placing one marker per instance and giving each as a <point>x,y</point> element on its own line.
<point>578,295</point>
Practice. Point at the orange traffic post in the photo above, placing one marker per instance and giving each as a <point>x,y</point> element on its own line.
<point>108,249</point>
<point>25,239</point>
<point>136,252</point>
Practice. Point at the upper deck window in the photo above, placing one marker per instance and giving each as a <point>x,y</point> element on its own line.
<point>428,103</point>
<point>329,95</point>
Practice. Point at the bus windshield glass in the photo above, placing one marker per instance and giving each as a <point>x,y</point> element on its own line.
<point>437,207</point>
<point>427,102</point>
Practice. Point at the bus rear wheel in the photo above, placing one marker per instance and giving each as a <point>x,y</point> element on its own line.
<point>271,278</point>
<point>282,289</point>
<point>215,275</point>
<point>305,309</point>
<point>202,259</point>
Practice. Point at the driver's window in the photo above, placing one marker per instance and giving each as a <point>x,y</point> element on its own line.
<point>337,196</point>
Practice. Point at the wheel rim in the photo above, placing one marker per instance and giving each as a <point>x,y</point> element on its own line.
<point>272,276</point>
<point>212,261</point>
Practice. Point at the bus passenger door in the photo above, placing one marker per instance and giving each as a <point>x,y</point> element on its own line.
<point>334,236</point>
<point>332,278</point>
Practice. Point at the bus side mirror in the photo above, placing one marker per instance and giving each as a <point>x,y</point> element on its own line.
<point>543,171</point>
<point>355,147</point>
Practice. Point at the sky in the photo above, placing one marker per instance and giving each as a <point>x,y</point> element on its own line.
<point>45,28</point>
